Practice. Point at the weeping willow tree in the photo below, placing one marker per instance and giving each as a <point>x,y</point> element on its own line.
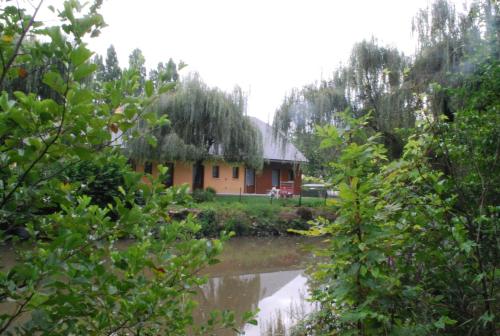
<point>204,123</point>
<point>302,110</point>
<point>372,81</point>
<point>449,44</point>
<point>391,86</point>
<point>377,84</point>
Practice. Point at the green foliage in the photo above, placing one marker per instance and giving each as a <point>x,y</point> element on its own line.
<point>391,86</point>
<point>204,123</point>
<point>211,190</point>
<point>362,287</point>
<point>412,234</point>
<point>75,275</point>
<point>414,249</point>
<point>99,179</point>
<point>137,63</point>
<point>112,70</point>
<point>165,73</point>
<point>256,218</point>
<point>207,195</point>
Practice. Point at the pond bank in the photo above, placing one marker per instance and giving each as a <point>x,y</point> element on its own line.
<point>252,221</point>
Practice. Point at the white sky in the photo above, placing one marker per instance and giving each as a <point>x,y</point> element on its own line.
<point>266,47</point>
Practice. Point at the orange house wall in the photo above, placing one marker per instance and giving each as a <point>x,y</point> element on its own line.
<point>140,169</point>
<point>183,173</point>
<point>225,183</point>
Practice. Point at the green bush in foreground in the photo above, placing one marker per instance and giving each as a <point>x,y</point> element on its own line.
<point>73,275</point>
<point>414,250</point>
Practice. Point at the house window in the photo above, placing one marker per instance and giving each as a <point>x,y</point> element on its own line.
<point>215,171</point>
<point>236,172</point>
<point>148,167</point>
<point>291,175</point>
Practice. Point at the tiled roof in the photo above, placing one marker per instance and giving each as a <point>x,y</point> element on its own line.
<point>277,149</point>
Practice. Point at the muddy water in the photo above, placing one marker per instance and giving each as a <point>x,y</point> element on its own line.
<point>253,273</point>
<point>260,273</point>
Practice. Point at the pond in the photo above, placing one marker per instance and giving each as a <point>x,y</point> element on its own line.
<point>260,273</point>
<point>254,273</point>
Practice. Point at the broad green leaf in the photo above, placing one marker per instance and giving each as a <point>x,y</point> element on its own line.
<point>84,70</point>
<point>149,88</point>
<point>80,55</point>
<point>19,116</point>
<point>167,87</point>
<point>55,81</point>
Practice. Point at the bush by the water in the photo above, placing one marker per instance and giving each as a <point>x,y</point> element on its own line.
<point>256,219</point>
<point>98,180</point>
<point>207,195</point>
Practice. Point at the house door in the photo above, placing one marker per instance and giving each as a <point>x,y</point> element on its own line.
<point>198,173</point>
<point>250,181</point>
<point>276,178</point>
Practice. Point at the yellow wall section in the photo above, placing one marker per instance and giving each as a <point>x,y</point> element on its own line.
<point>183,173</point>
<point>139,167</point>
<point>225,183</point>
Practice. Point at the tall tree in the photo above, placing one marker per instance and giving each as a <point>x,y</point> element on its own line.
<point>373,81</point>
<point>137,63</point>
<point>113,70</point>
<point>154,74</point>
<point>393,87</point>
<point>100,72</point>
<point>165,73</point>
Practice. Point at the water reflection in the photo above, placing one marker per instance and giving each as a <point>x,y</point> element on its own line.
<point>263,273</point>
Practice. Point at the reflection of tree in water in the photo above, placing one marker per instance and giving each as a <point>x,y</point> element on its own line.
<point>284,322</point>
<point>237,293</point>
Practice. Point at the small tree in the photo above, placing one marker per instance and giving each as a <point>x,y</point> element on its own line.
<point>112,69</point>
<point>137,63</point>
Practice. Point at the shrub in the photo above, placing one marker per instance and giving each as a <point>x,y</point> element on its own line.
<point>100,181</point>
<point>211,190</point>
<point>208,222</point>
<point>200,195</point>
<point>255,220</point>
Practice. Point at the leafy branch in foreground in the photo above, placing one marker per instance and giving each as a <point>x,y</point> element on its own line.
<point>414,248</point>
<point>120,267</point>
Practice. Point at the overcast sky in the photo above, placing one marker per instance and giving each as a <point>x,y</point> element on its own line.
<point>266,47</point>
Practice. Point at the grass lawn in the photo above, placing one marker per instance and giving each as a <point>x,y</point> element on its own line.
<point>261,200</point>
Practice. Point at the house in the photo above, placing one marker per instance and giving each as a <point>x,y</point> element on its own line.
<point>281,169</point>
